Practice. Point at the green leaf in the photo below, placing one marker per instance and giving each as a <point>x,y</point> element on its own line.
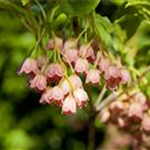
<point>78,7</point>
<point>24,2</point>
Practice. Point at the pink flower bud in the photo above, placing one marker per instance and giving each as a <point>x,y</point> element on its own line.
<point>81,66</point>
<point>58,95</point>
<point>38,82</point>
<point>47,96</point>
<point>105,115</point>
<point>54,72</point>
<point>121,122</point>
<point>51,43</point>
<point>29,67</point>
<point>41,61</point>
<point>81,97</point>
<point>69,44</point>
<point>69,105</point>
<point>146,123</point>
<point>87,52</point>
<point>93,76</point>
<point>125,77</point>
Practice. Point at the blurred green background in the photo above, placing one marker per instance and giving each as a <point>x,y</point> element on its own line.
<point>24,123</point>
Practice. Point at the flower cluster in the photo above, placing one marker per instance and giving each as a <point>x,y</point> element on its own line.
<point>130,113</point>
<point>52,78</point>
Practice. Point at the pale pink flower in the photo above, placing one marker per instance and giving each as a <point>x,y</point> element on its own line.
<point>38,82</point>
<point>65,86</point>
<point>69,105</point>
<point>29,67</point>
<point>125,77</point>
<point>112,72</point>
<point>87,52</point>
<point>104,64</point>
<point>54,72</point>
<point>135,111</point>
<point>76,81</point>
<point>146,123</point>
<point>58,95</point>
<point>73,82</point>
<point>47,96</point>
<point>51,43</point>
<point>82,65</point>
<point>93,76</point>
<point>112,77</point>
<point>71,56</point>
<point>81,97</point>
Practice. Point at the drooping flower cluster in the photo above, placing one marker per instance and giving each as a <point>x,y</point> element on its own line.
<point>130,113</point>
<point>52,78</point>
<point>114,74</point>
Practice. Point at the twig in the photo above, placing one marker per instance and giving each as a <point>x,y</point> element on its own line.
<point>101,95</point>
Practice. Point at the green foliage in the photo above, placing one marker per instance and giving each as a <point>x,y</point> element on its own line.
<point>78,7</point>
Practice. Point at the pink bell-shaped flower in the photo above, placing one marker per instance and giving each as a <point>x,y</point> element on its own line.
<point>71,56</point>
<point>135,111</point>
<point>54,72</point>
<point>125,77</point>
<point>29,67</point>
<point>65,86</point>
<point>82,65</point>
<point>69,105</point>
<point>38,82</point>
<point>86,51</point>
<point>93,76</point>
<point>51,43</point>
<point>47,96</point>
<point>104,64</point>
<point>76,81</point>
<point>112,72</point>
<point>58,95</point>
<point>81,97</point>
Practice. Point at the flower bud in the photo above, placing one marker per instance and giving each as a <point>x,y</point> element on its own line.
<point>51,43</point>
